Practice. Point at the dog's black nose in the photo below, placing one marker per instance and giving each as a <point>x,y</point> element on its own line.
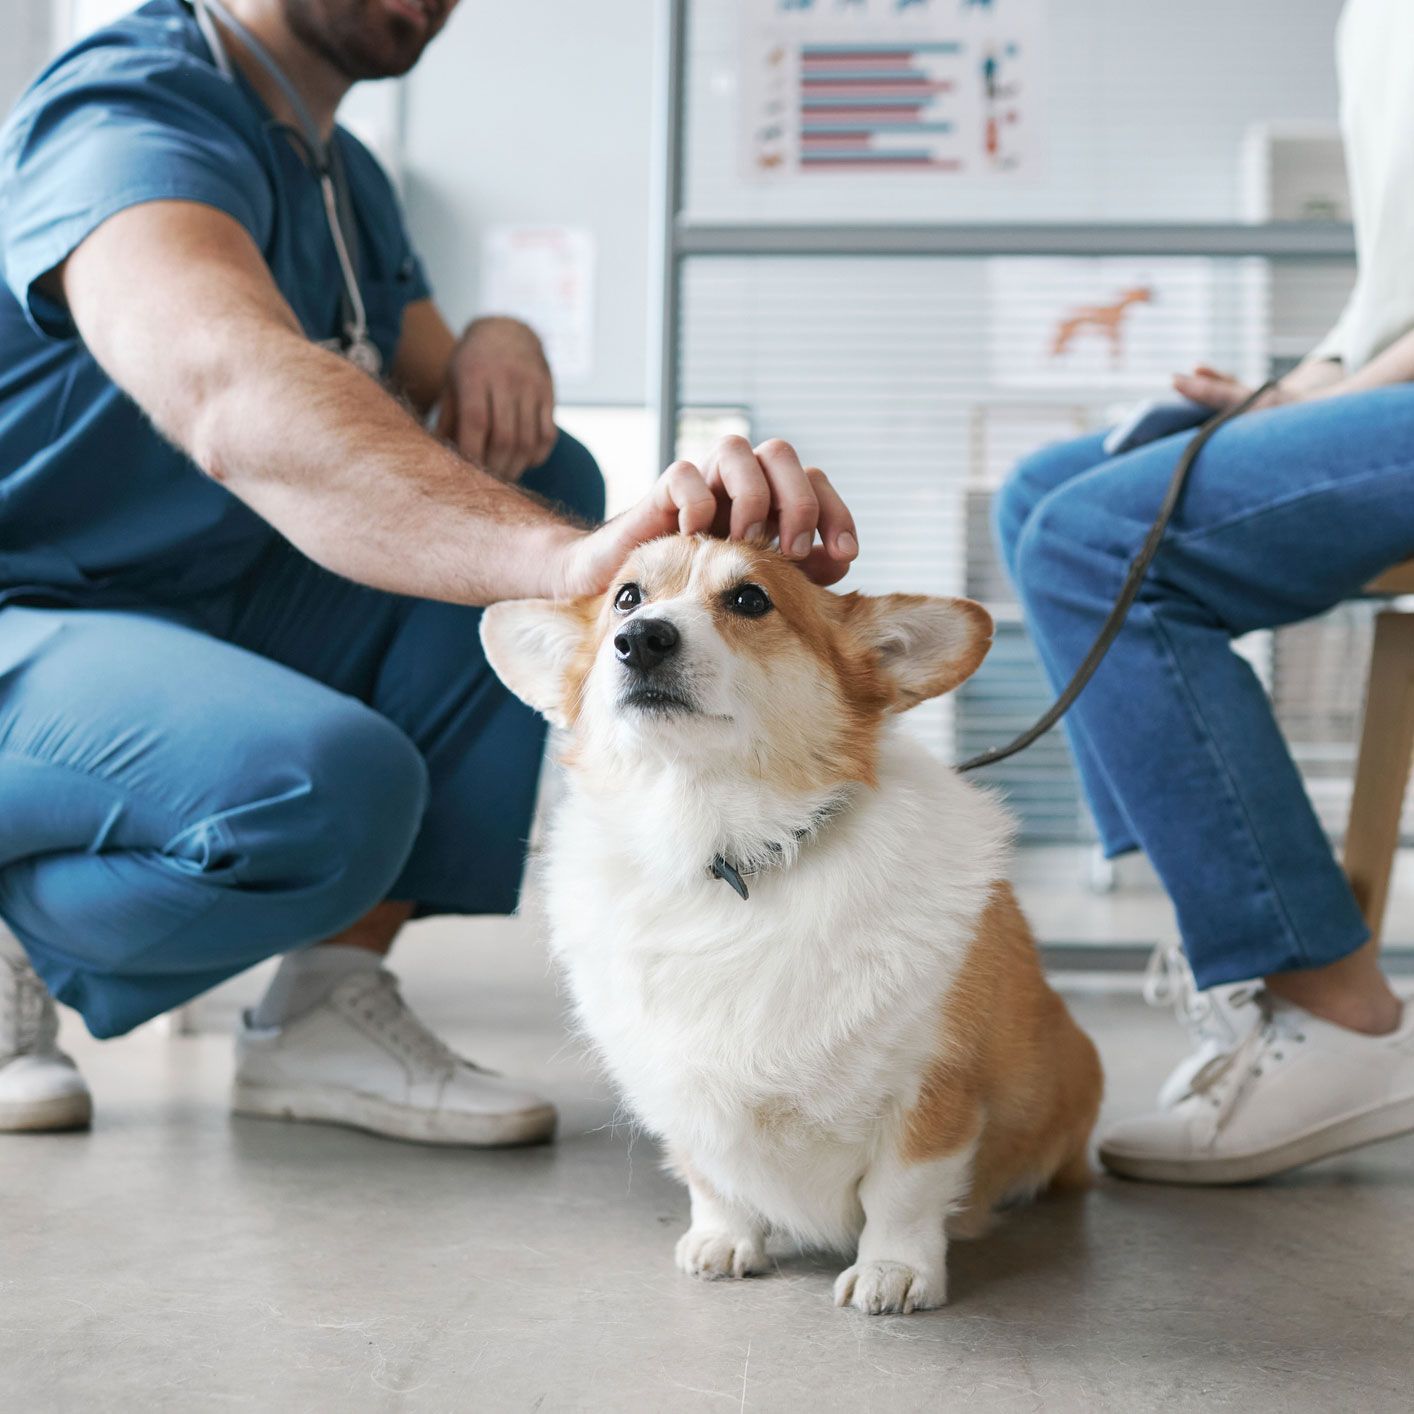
<point>644,643</point>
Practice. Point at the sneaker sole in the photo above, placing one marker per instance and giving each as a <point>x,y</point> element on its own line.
<point>1387,1122</point>
<point>350,1110</point>
<point>46,1116</point>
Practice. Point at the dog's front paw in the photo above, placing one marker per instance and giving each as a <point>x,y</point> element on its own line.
<point>710,1253</point>
<point>888,1289</point>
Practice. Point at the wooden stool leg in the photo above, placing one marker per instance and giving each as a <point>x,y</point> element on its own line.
<point>1382,771</point>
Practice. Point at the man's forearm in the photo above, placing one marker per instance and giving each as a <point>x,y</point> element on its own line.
<point>348,476</point>
<point>423,356</point>
<point>177,305</point>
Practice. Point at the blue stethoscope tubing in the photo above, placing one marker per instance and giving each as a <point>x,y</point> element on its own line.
<point>356,345</point>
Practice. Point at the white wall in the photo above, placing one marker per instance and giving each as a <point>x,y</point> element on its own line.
<point>28,40</point>
<point>540,114</point>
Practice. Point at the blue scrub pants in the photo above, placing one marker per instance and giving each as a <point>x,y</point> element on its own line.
<point>187,790</point>
<point>1287,513</point>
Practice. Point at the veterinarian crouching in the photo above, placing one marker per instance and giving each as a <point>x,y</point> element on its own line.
<point>243,703</point>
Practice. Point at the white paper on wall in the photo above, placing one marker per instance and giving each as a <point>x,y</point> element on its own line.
<point>544,275</point>
<point>916,87</point>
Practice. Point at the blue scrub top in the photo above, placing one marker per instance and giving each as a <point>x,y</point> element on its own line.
<point>95,507</point>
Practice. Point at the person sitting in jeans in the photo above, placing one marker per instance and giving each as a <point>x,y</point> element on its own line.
<point>1290,510</point>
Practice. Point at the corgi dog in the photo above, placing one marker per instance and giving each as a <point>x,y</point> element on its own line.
<point>786,925</point>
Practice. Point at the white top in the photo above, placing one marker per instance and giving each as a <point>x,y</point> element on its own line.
<point>1375,66</point>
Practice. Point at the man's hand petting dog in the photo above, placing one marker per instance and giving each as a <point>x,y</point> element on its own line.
<point>740,492</point>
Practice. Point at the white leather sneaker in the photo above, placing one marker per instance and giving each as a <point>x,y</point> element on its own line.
<point>1294,1089</point>
<point>361,1058</point>
<point>1216,1019</point>
<point>40,1087</point>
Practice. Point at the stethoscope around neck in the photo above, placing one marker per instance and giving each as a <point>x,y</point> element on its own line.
<point>355,344</point>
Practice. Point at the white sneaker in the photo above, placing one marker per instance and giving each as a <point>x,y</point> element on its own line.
<point>1294,1090</point>
<point>1216,1020</point>
<point>361,1058</point>
<point>40,1087</point>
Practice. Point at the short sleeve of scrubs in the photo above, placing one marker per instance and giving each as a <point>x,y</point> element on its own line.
<point>112,127</point>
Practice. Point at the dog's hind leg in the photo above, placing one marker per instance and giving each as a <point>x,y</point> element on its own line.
<point>1076,1172</point>
<point>1083,1090</point>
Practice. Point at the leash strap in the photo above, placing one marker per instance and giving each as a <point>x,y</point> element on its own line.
<point>1138,568</point>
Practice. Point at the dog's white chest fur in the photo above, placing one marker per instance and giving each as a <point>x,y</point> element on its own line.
<point>778,1040</point>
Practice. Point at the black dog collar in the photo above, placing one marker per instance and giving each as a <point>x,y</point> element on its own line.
<point>722,868</point>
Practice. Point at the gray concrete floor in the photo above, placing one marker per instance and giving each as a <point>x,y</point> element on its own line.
<point>177,1259</point>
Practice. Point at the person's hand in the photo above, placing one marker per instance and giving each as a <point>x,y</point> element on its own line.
<point>1221,391</point>
<point>739,492</point>
<point>498,408</point>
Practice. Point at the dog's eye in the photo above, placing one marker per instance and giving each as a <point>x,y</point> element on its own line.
<point>628,597</point>
<point>748,600</point>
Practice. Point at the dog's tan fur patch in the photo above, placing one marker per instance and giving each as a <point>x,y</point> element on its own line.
<point>1013,1064</point>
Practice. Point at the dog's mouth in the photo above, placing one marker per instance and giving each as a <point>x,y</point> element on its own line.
<point>658,700</point>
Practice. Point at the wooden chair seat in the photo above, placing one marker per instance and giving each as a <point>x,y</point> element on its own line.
<point>1399,580</point>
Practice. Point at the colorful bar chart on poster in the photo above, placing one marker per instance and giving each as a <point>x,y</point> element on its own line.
<point>868,105</point>
<point>903,86</point>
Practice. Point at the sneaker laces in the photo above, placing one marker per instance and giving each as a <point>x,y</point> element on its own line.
<point>1213,1020</point>
<point>1169,981</point>
<point>1226,1079</point>
<point>27,1021</point>
<point>381,1005</point>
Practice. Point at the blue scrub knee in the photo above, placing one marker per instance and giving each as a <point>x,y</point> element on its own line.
<point>176,810</point>
<point>335,840</point>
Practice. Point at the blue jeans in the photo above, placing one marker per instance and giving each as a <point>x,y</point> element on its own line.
<point>188,789</point>
<point>1287,513</point>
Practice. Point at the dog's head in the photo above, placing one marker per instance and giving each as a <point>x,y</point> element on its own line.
<point>706,650</point>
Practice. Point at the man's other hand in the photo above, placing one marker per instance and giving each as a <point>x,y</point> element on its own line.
<point>498,406</point>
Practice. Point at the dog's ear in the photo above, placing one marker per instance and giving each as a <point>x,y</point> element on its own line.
<point>925,645</point>
<point>532,645</point>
